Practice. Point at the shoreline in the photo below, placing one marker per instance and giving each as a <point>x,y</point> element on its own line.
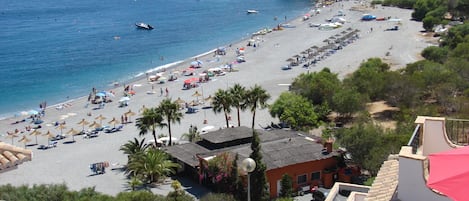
<point>262,67</point>
<point>139,76</point>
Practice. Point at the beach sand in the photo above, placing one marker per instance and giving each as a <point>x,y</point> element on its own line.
<point>69,163</point>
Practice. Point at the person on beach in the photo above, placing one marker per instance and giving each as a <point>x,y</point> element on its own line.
<point>167,92</point>
<point>161,91</point>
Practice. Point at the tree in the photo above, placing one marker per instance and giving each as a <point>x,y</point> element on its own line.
<point>436,54</point>
<point>370,78</point>
<point>287,186</point>
<point>150,120</point>
<point>256,97</point>
<point>134,148</point>
<point>170,110</point>
<point>370,145</point>
<point>422,7</point>
<point>259,187</point>
<point>238,93</point>
<point>347,101</point>
<point>152,166</point>
<point>222,101</point>
<point>295,110</point>
<point>318,87</point>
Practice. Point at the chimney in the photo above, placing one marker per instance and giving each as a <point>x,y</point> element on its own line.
<point>328,145</point>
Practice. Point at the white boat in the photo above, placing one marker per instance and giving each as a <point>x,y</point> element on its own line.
<point>252,11</point>
<point>142,25</point>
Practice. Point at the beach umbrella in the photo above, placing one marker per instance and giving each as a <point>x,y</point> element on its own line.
<point>343,32</point>
<point>337,35</point>
<point>326,40</point>
<point>61,127</point>
<point>129,114</point>
<point>73,132</point>
<point>100,118</point>
<point>35,133</point>
<point>179,101</point>
<point>83,122</point>
<point>197,95</point>
<point>332,37</point>
<point>114,121</point>
<point>94,125</point>
<point>12,136</point>
<point>49,136</point>
<point>24,140</point>
<point>449,174</point>
<point>349,29</point>
<point>100,94</point>
<point>33,112</point>
<point>290,59</point>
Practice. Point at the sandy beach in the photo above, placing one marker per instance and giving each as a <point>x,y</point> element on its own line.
<point>69,163</point>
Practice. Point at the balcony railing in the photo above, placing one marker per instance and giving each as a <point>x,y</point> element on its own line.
<point>415,139</point>
<point>457,131</point>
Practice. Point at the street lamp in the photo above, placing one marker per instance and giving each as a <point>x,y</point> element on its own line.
<point>248,165</point>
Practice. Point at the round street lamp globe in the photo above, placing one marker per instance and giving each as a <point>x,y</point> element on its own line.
<point>248,165</point>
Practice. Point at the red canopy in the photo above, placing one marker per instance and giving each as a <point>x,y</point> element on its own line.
<point>191,80</point>
<point>449,173</point>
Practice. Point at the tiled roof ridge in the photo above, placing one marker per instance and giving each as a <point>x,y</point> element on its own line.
<point>10,156</point>
<point>385,183</point>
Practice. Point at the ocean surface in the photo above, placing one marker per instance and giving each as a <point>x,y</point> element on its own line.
<point>57,50</point>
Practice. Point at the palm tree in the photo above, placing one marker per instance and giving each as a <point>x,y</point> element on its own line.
<point>238,94</point>
<point>134,148</point>
<point>170,110</point>
<point>256,97</point>
<point>151,119</point>
<point>152,166</point>
<point>222,101</point>
<point>193,135</point>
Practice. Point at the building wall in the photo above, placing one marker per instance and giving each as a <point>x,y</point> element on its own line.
<point>296,170</point>
<point>434,137</point>
<point>412,184</point>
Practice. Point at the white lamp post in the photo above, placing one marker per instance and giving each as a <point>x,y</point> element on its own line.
<point>248,165</point>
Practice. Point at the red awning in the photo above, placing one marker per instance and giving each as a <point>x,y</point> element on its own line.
<point>191,80</point>
<point>449,173</point>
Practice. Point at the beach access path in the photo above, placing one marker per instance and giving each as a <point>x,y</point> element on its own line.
<point>69,163</point>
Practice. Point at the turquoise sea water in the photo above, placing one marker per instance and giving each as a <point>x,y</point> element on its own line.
<point>55,50</point>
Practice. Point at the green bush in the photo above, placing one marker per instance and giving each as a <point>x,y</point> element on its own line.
<point>217,197</point>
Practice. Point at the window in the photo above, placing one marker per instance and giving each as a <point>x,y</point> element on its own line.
<point>302,179</point>
<point>315,176</point>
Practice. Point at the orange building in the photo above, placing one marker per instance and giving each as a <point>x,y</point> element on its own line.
<point>302,157</point>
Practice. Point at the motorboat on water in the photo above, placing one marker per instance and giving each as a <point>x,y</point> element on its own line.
<point>142,25</point>
<point>252,11</point>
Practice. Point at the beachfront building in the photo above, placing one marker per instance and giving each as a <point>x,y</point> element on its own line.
<point>405,176</point>
<point>12,156</point>
<point>304,158</point>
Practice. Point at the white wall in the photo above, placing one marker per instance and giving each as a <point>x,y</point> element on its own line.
<point>412,185</point>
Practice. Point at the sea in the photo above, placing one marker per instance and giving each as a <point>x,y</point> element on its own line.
<point>55,51</point>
